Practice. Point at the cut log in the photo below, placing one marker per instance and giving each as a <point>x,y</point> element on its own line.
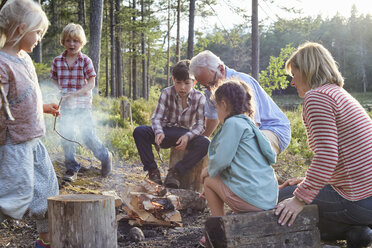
<point>189,199</point>
<point>261,230</point>
<point>191,180</point>
<point>82,221</point>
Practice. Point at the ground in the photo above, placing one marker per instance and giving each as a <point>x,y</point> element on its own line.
<point>22,233</point>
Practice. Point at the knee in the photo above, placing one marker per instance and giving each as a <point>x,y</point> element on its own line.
<point>139,132</point>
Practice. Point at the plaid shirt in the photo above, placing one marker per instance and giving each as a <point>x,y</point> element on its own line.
<point>71,79</point>
<point>169,112</point>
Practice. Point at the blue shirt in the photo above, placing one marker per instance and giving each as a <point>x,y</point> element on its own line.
<point>241,156</point>
<point>267,114</point>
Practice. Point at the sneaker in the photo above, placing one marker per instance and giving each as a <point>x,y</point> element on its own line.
<point>154,175</point>
<point>70,176</point>
<point>41,244</point>
<point>173,179</point>
<point>106,165</point>
<point>359,236</point>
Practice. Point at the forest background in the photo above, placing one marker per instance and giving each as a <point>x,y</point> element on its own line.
<point>133,47</point>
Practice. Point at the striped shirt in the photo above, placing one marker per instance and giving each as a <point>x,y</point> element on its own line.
<point>73,78</point>
<point>340,133</point>
<point>169,112</point>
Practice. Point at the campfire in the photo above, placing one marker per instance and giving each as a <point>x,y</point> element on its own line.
<point>150,204</point>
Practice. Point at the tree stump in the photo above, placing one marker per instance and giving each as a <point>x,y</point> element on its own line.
<point>191,180</point>
<point>82,221</point>
<point>261,230</point>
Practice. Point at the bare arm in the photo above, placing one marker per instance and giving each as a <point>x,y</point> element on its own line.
<point>210,126</point>
<point>89,86</point>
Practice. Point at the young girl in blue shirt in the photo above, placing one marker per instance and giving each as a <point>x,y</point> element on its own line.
<point>240,156</point>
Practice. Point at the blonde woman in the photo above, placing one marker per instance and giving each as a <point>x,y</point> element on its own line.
<point>339,179</point>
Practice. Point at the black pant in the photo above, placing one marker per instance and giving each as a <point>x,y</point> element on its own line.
<point>144,137</point>
<point>336,214</point>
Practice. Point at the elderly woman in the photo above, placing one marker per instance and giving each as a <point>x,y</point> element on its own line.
<point>339,179</point>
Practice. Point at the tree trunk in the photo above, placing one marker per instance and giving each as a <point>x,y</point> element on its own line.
<point>143,53</point>
<point>36,53</point>
<point>190,40</point>
<point>255,41</point>
<point>112,46</point>
<point>191,180</point>
<point>168,57</point>
<point>134,58</point>
<point>81,12</point>
<point>178,47</point>
<point>107,54</point>
<point>82,221</point>
<point>96,7</point>
<point>119,59</point>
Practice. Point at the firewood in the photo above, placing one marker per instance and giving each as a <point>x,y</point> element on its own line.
<point>118,200</point>
<point>189,199</point>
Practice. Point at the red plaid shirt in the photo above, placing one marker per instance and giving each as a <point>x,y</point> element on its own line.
<point>169,112</point>
<point>71,79</point>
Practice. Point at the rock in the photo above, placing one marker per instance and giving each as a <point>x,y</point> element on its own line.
<point>136,234</point>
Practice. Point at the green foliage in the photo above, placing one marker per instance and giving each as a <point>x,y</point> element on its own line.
<point>274,76</point>
<point>42,71</point>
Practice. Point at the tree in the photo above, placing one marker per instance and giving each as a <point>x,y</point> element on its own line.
<point>119,58</point>
<point>190,40</point>
<point>134,54</point>
<point>178,47</point>
<point>36,53</point>
<point>143,53</point>
<point>255,41</point>
<point>95,26</point>
<point>112,46</point>
<point>81,13</point>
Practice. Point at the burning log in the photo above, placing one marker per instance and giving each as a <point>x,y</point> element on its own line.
<point>150,204</point>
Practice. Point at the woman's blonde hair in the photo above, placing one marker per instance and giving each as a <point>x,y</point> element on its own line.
<point>73,30</point>
<point>316,65</point>
<point>21,12</point>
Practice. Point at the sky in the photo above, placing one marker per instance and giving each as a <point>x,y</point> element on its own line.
<point>268,12</point>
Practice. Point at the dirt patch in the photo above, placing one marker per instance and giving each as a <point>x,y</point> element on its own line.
<point>22,233</point>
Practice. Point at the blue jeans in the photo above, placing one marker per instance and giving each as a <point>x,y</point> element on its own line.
<point>144,137</point>
<point>72,120</point>
<point>336,214</point>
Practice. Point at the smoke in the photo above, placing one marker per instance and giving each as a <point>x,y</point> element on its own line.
<point>69,126</point>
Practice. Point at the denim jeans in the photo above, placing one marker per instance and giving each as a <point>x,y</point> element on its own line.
<point>336,214</point>
<point>144,137</point>
<point>71,121</point>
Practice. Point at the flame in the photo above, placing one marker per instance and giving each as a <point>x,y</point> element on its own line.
<point>158,205</point>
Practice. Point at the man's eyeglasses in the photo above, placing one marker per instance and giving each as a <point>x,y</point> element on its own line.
<point>209,84</point>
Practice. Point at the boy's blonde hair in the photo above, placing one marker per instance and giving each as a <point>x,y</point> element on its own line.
<point>316,65</point>
<point>21,12</point>
<point>73,30</point>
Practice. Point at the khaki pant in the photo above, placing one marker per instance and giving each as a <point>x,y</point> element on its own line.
<point>274,140</point>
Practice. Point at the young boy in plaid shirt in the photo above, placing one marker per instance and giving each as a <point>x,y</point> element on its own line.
<point>74,74</point>
<point>178,121</point>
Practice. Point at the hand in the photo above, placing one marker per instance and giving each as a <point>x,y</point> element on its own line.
<point>204,174</point>
<point>202,195</point>
<point>288,210</point>
<point>159,138</point>
<point>291,182</point>
<point>182,142</point>
<point>51,108</point>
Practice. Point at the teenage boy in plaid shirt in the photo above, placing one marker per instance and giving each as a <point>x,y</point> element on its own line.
<point>178,121</point>
<point>74,74</point>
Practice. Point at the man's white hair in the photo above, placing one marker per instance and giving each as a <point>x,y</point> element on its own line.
<point>205,59</point>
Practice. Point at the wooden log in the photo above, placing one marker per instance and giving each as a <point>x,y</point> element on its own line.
<point>83,220</point>
<point>191,180</point>
<point>261,230</point>
<point>124,109</point>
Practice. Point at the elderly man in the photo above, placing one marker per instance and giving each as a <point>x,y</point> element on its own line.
<point>208,69</point>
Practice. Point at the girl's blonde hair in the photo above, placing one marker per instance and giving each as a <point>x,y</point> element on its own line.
<point>73,30</point>
<point>316,65</point>
<point>21,12</point>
